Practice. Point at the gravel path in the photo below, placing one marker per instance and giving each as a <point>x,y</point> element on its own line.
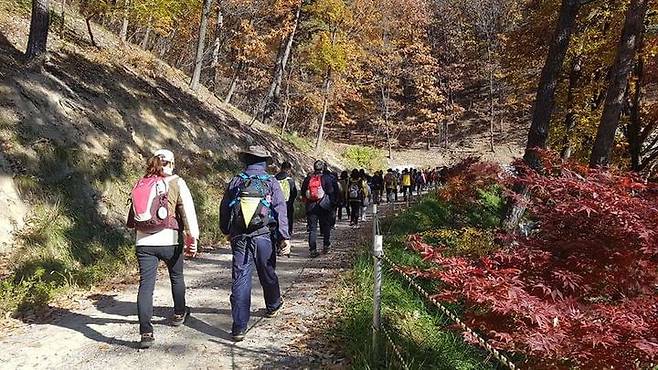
<point>104,332</point>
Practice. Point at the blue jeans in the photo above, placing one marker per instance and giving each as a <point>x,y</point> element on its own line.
<point>148,258</point>
<point>247,252</point>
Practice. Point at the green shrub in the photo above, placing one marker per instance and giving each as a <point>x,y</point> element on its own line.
<point>487,211</point>
<point>298,142</point>
<point>427,214</point>
<point>364,157</point>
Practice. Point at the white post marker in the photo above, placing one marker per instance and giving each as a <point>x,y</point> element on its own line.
<point>377,253</point>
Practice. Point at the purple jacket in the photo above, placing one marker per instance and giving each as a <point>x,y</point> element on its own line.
<point>278,204</point>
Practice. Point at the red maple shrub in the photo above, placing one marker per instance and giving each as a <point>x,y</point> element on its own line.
<point>582,290</point>
<point>463,180</point>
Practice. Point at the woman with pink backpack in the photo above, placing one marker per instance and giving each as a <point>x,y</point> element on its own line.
<point>163,216</point>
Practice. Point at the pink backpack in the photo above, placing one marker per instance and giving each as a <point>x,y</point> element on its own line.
<point>149,211</point>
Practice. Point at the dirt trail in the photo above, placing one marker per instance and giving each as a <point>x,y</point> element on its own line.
<point>104,334</point>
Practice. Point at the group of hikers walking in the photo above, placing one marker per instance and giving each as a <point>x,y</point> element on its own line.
<point>257,214</point>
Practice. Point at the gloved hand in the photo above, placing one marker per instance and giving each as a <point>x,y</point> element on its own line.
<point>284,248</point>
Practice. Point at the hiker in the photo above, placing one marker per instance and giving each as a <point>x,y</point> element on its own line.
<point>406,184</point>
<point>398,181</point>
<point>342,198</point>
<point>289,189</point>
<point>319,193</point>
<point>163,216</point>
<point>253,212</point>
<point>337,192</point>
<point>366,180</point>
<point>377,187</point>
<point>355,194</point>
<point>390,182</point>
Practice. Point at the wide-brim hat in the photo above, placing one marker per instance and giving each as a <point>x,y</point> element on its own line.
<point>257,151</point>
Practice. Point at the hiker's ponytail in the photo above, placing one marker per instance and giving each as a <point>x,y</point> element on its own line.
<point>154,167</point>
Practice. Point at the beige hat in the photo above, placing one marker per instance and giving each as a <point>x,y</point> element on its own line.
<point>257,151</point>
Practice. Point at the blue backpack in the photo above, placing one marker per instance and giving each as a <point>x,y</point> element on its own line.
<point>251,209</point>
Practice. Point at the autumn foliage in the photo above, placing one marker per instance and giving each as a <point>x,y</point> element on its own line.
<point>580,289</point>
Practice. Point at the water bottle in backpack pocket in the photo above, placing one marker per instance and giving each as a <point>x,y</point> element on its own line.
<point>149,210</point>
<point>251,205</point>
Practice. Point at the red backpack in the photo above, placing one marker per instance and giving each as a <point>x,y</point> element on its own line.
<point>149,211</point>
<point>315,192</point>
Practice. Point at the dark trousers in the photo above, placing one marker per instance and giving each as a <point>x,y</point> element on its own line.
<point>291,217</point>
<point>247,252</point>
<point>406,191</point>
<point>355,211</point>
<point>376,196</point>
<point>148,258</point>
<point>389,194</point>
<point>321,216</point>
<point>340,212</point>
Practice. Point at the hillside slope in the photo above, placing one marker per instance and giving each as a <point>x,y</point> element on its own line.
<point>74,138</point>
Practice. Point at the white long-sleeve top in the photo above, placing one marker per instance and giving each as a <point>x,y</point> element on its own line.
<point>169,236</point>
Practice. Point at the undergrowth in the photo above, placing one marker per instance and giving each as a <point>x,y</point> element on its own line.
<point>74,236</point>
<point>369,158</point>
<point>420,331</point>
<point>297,141</point>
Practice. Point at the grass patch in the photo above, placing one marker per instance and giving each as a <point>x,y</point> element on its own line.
<point>364,157</point>
<point>298,142</point>
<point>418,329</point>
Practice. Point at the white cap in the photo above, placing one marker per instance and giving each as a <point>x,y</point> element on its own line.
<point>165,154</point>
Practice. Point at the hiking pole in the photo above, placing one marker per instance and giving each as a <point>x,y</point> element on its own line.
<point>377,253</point>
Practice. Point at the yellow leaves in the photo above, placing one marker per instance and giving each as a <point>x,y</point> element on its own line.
<point>333,13</point>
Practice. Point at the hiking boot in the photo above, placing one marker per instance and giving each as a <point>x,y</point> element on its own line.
<point>147,340</point>
<point>179,319</point>
<point>239,336</point>
<point>326,249</point>
<point>272,313</point>
<point>314,254</point>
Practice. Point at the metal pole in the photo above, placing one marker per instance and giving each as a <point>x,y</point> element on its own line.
<point>377,252</point>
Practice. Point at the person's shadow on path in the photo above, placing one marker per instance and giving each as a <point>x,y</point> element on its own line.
<point>109,305</point>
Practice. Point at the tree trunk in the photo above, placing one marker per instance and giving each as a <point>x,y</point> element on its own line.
<point>545,98</point>
<point>36,44</point>
<point>385,114</point>
<point>62,14</point>
<point>570,118</point>
<point>325,106</point>
<point>234,82</point>
<point>631,33</point>
<point>124,23</point>
<point>198,61</point>
<point>636,135</point>
<point>145,40</point>
<point>273,94</point>
<point>217,46</point>
<point>91,33</point>
<point>287,107</point>
<point>492,113</point>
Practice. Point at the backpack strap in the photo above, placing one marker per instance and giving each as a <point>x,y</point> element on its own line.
<point>244,177</point>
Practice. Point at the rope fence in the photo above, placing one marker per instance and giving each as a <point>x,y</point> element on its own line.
<point>379,256</point>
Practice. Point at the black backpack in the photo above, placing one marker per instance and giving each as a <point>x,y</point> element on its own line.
<point>354,190</point>
<point>251,209</point>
